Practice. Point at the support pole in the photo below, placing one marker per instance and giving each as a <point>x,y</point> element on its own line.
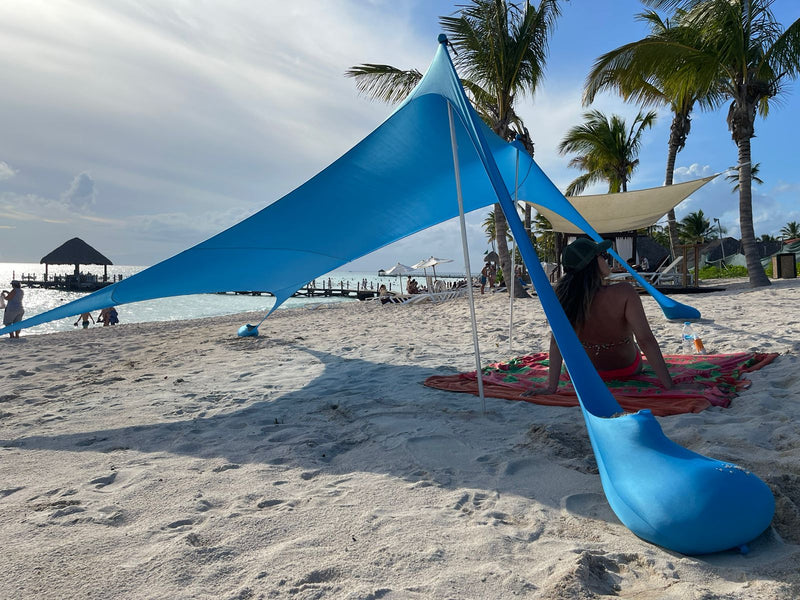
<point>465,248</point>
<point>513,267</point>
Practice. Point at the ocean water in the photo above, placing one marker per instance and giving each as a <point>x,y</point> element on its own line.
<point>176,307</point>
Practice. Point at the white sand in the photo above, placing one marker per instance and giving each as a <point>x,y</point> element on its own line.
<point>179,461</point>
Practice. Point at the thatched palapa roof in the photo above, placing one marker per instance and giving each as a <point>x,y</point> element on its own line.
<point>75,252</point>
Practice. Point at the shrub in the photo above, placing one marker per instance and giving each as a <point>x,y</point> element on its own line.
<point>709,272</point>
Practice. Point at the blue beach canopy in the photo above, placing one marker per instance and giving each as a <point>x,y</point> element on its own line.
<point>400,180</point>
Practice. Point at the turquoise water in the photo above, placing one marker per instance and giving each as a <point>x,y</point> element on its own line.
<point>174,308</point>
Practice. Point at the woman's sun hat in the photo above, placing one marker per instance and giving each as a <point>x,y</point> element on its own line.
<point>581,252</point>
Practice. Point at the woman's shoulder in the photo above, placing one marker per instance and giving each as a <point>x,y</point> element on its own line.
<point>621,289</point>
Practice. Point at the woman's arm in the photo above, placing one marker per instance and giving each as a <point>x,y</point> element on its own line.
<point>634,314</point>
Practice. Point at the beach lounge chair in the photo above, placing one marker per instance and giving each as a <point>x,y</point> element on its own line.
<point>668,274</point>
<point>437,297</point>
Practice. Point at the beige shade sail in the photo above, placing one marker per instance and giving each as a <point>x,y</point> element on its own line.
<point>626,211</point>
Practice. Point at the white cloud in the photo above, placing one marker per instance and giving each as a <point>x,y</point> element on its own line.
<point>30,208</point>
<point>6,172</point>
<point>81,194</point>
<point>693,171</point>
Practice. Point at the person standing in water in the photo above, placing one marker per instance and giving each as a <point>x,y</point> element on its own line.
<point>85,319</point>
<point>14,311</point>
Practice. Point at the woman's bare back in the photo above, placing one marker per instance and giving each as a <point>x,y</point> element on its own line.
<point>607,334</point>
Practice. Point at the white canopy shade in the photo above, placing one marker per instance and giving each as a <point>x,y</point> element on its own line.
<point>431,262</point>
<point>626,211</point>
<point>399,269</point>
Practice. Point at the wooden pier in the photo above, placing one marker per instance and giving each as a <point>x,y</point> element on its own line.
<point>90,283</point>
<point>311,292</point>
<point>70,283</point>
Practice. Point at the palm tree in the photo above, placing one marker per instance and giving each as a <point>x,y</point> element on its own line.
<point>545,238</point>
<point>501,51</point>
<point>489,229</point>
<point>734,177</point>
<point>743,52</point>
<point>606,150</point>
<point>791,230</point>
<point>626,70</point>
<point>694,228</point>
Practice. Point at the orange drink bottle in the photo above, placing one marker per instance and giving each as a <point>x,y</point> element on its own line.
<point>698,346</point>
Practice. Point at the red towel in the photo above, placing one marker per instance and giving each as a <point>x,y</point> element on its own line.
<point>703,381</point>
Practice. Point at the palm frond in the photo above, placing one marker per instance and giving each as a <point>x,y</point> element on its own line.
<point>384,82</point>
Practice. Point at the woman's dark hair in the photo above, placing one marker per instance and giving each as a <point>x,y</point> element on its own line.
<point>575,291</point>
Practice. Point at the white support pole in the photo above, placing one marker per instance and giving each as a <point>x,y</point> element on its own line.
<point>465,248</point>
<point>513,266</point>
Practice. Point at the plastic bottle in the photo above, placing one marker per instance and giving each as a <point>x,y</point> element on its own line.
<point>698,345</point>
<point>687,338</point>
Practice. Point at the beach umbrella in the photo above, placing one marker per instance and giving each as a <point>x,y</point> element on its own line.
<point>400,269</point>
<point>431,262</point>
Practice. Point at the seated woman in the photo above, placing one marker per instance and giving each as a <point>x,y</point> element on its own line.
<point>383,294</point>
<point>606,318</point>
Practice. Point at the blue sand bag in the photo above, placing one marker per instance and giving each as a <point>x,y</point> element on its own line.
<point>248,331</point>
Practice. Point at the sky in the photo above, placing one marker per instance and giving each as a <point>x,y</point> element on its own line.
<point>145,127</point>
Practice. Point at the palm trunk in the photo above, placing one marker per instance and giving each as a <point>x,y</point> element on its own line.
<point>501,233</point>
<point>758,278</point>
<point>501,227</point>
<point>528,219</point>
<point>672,223</point>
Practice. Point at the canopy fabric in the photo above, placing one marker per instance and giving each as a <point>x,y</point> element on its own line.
<point>626,211</point>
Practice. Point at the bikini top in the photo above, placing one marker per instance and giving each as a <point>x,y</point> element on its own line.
<point>598,348</point>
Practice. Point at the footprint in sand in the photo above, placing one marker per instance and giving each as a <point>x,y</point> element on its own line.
<point>269,503</point>
<point>226,467</point>
<point>180,524</point>
<point>9,491</point>
<point>20,373</point>
<point>471,502</point>
<point>203,506</point>
<point>101,482</point>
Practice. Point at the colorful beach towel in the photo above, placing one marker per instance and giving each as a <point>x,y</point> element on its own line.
<point>702,381</point>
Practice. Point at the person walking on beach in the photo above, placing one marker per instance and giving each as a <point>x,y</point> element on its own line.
<point>14,311</point>
<point>486,274</point>
<point>85,318</point>
<point>606,319</point>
